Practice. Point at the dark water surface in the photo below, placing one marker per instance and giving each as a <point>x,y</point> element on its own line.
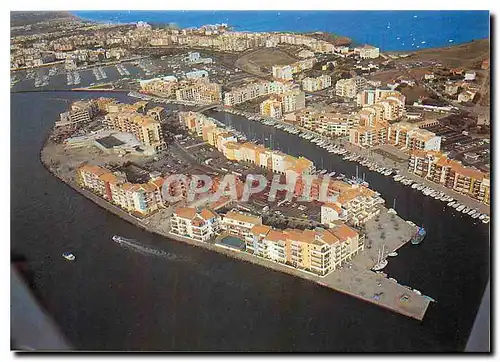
<point>186,298</point>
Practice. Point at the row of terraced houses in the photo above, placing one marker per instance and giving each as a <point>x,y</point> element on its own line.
<point>436,167</point>
<point>319,251</point>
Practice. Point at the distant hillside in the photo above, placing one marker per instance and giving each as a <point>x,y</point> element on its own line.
<point>21,18</point>
<point>464,55</point>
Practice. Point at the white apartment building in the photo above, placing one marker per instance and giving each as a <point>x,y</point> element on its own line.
<point>245,93</point>
<point>367,52</point>
<point>199,226</point>
<point>292,101</point>
<point>284,72</point>
<point>239,224</point>
<point>316,84</point>
<point>197,74</point>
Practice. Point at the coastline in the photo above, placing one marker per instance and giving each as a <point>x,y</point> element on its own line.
<point>237,27</point>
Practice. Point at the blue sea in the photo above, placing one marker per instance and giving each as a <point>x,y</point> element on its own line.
<point>389,30</point>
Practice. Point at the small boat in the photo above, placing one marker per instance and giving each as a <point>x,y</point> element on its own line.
<point>486,220</point>
<point>68,256</point>
<point>394,253</point>
<point>411,223</point>
<point>419,236</point>
<point>482,216</point>
<point>461,207</point>
<point>472,212</point>
<point>381,261</point>
<point>381,265</point>
<point>393,280</point>
<point>418,292</point>
<point>451,203</point>
<point>466,210</point>
<point>476,215</point>
<point>392,211</point>
<point>429,298</point>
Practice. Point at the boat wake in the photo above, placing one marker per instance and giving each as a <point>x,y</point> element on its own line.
<point>147,250</point>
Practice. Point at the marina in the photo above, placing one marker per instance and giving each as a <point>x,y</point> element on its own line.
<point>415,266</point>
<point>399,174</point>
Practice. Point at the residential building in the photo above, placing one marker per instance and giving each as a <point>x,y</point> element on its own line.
<point>199,92</point>
<point>80,112</point>
<point>286,72</point>
<point>138,199</point>
<point>451,88</point>
<point>470,75</point>
<point>319,251</point>
<point>190,223</point>
<point>369,136</point>
<point>466,96</point>
<point>271,107</point>
<point>367,52</point>
<point>292,100</point>
<point>409,137</point>
<point>240,224</point>
<point>436,167</point>
<point>145,128</point>
<point>349,88</point>
<point>315,84</point>
<point>355,204</point>
<point>327,123</point>
<point>282,72</point>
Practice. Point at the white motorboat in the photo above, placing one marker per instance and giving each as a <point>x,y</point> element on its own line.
<point>461,207</point>
<point>68,256</point>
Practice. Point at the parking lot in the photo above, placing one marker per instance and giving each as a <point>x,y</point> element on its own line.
<point>456,142</point>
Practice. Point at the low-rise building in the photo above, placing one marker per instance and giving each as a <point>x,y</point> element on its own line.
<point>315,84</point>
<point>470,75</point>
<point>451,88</point>
<point>466,96</point>
<point>190,223</point>
<point>240,224</point>
<point>367,52</point>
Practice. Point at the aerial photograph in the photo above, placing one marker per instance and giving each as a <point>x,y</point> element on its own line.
<point>250,181</point>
